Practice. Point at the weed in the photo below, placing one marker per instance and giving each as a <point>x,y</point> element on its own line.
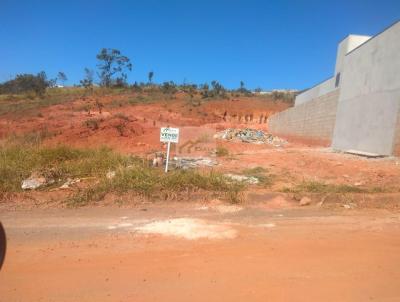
<point>222,151</point>
<point>92,124</point>
<point>319,187</point>
<point>18,161</point>
<point>261,174</point>
<point>254,171</point>
<point>121,116</point>
<point>152,183</point>
<point>120,128</point>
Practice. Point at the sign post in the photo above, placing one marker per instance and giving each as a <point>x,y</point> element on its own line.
<point>169,135</point>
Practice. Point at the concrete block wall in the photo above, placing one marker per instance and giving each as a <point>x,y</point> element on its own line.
<point>313,121</point>
<point>396,145</point>
<point>319,90</point>
<point>369,99</point>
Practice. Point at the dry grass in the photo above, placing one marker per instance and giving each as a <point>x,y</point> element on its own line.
<point>18,161</point>
<point>261,174</point>
<point>320,187</point>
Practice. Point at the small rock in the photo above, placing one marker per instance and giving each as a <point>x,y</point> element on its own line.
<point>33,183</point>
<point>69,182</point>
<point>321,203</point>
<point>296,197</point>
<point>110,174</point>
<point>242,178</point>
<point>359,183</point>
<point>350,206</point>
<point>305,201</point>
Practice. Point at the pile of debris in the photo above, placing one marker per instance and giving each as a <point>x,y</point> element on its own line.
<point>39,180</point>
<point>249,135</point>
<point>193,162</point>
<point>242,178</point>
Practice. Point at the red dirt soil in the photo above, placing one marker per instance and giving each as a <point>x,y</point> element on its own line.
<point>285,255</point>
<point>281,252</point>
<point>134,129</point>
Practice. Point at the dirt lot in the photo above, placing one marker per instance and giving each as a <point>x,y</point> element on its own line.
<point>193,245</point>
<point>130,123</point>
<point>198,252</point>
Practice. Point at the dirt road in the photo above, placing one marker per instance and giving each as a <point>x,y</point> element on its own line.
<point>194,252</point>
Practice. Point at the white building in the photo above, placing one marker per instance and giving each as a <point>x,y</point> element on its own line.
<point>358,108</point>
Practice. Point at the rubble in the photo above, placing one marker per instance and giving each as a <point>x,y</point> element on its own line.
<point>305,201</point>
<point>242,178</point>
<point>249,135</point>
<point>35,181</point>
<point>350,206</point>
<point>158,159</point>
<point>69,183</point>
<point>110,174</point>
<point>193,162</point>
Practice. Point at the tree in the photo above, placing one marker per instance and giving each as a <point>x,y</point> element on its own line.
<point>242,88</point>
<point>217,89</point>
<point>169,87</point>
<point>62,77</point>
<point>113,66</point>
<point>204,90</point>
<point>23,83</point>
<point>87,81</point>
<point>150,76</point>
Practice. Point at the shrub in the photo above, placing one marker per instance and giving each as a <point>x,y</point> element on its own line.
<point>153,183</point>
<point>320,187</point>
<point>92,124</point>
<point>24,83</point>
<point>18,161</point>
<point>222,151</point>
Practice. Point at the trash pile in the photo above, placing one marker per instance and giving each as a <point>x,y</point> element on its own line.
<point>249,135</point>
<point>38,180</point>
<point>241,178</point>
<point>35,181</point>
<point>193,162</point>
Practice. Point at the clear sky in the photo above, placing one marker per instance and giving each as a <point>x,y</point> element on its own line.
<point>268,44</point>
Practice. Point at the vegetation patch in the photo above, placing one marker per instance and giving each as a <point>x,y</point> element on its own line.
<point>18,161</point>
<point>132,174</point>
<point>92,123</point>
<point>264,178</point>
<point>222,151</point>
<point>155,184</point>
<point>320,187</point>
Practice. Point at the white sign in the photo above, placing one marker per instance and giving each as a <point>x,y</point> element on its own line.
<point>169,135</point>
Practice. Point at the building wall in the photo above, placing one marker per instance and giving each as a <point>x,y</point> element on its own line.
<point>313,121</point>
<point>345,46</point>
<point>396,145</point>
<point>369,100</point>
<point>315,92</point>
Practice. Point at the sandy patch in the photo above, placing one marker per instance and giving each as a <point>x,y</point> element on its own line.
<point>188,228</point>
<point>223,209</point>
<point>227,209</point>
<point>267,225</point>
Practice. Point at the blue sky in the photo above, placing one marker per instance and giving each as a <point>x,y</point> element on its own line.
<point>268,44</point>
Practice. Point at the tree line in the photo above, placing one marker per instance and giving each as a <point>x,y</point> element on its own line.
<point>112,71</point>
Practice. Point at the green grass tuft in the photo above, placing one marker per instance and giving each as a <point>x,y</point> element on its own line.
<point>319,187</point>
<point>153,183</point>
<point>261,174</point>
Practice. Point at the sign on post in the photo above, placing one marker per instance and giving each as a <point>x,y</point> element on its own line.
<point>169,135</point>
